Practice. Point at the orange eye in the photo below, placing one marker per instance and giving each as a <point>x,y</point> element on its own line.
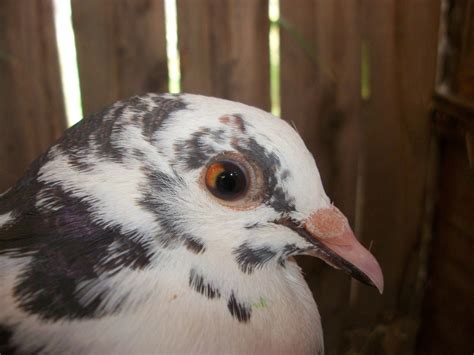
<point>226,180</point>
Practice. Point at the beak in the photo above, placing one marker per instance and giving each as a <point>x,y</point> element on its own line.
<point>335,243</point>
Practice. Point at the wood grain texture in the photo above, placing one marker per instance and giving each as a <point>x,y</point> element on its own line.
<point>31,101</point>
<point>320,89</point>
<point>448,314</point>
<point>224,49</point>
<point>396,125</point>
<point>121,49</point>
<point>456,69</point>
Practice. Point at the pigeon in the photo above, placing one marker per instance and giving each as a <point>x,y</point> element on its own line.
<point>167,223</point>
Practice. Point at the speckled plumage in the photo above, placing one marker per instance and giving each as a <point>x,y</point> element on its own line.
<point>110,243</point>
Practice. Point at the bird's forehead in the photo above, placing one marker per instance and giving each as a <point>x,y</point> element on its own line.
<point>210,126</point>
<point>224,125</point>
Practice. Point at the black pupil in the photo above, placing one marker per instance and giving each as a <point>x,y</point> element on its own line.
<point>231,182</point>
<point>228,182</point>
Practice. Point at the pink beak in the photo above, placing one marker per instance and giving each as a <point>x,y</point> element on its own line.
<point>328,230</point>
<point>330,227</point>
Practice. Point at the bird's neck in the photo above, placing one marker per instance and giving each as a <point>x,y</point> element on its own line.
<point>217,277</point>
<point>270,308</point>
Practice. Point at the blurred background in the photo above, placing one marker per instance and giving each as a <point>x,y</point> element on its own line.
<point>382,92</point>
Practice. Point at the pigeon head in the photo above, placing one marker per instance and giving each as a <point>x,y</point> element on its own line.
<point>181,208</point>
<point>243,182</point>
<point>208,176</point>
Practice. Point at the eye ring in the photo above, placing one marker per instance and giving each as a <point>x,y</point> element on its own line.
<point>233,181</point>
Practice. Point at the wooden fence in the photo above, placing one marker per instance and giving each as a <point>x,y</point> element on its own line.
<point>357,79</point>
<point>448,310</point>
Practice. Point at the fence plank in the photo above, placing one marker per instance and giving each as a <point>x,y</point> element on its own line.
<point>402,45</point>
<point>31,102</point>
<point>224,49</point>
<point>121,49</point>
<point>448,314</point>
<point>320,66</point>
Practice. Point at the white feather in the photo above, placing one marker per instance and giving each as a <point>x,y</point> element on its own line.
<point>6,218</point>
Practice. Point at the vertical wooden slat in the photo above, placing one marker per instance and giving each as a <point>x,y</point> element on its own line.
<point>456,69</point>
<point>31,102</point>
<point>121,49</point>
<point>320,66</point>
<point>402,44</point>
<point>224,50</point>
<point>448,310</point>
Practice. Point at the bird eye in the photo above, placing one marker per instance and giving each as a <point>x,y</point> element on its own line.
<point>226,180</point>
<point>234,180</point>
